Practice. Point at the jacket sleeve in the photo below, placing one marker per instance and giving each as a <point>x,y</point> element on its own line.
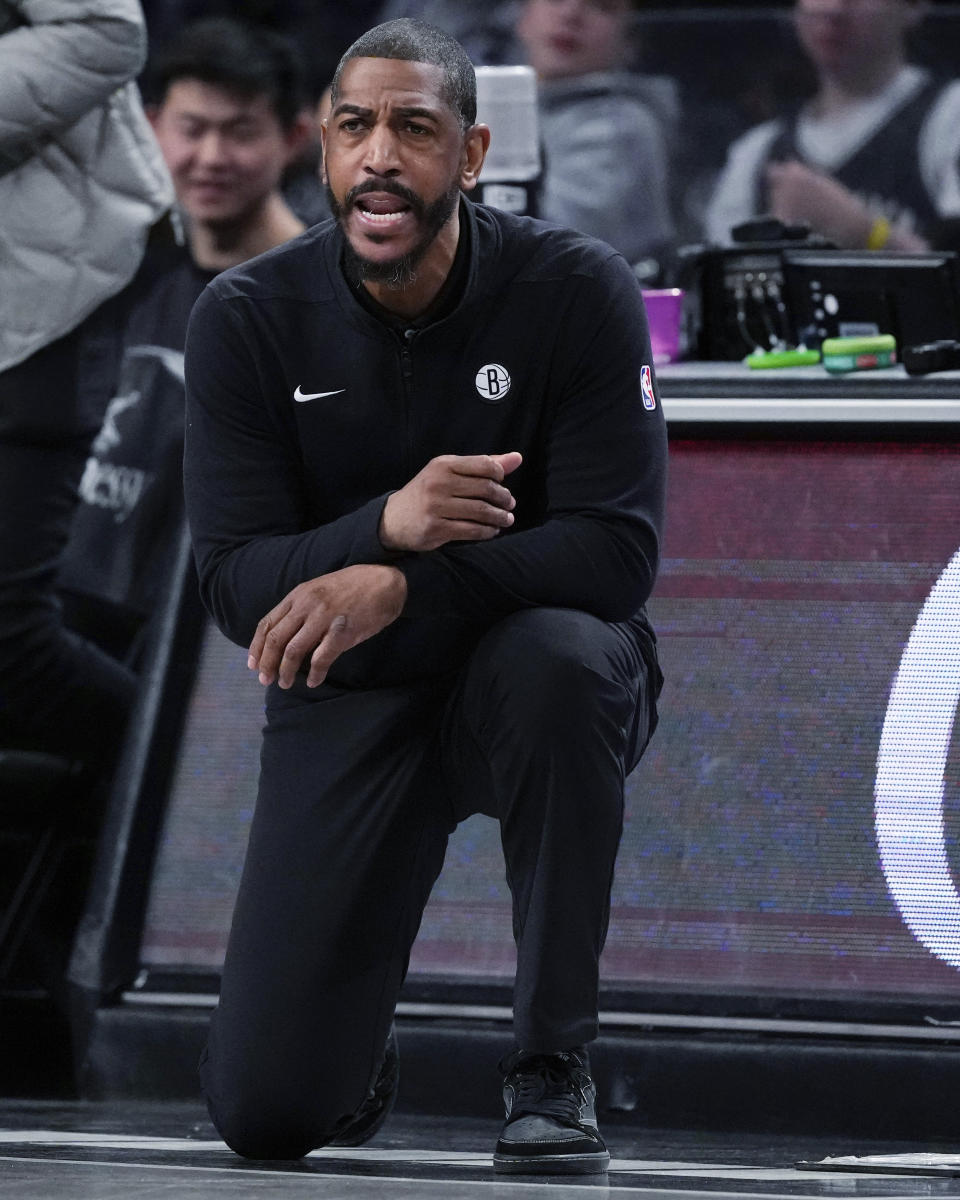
<point>68,59</point>
<point>604,475</point>
<point>246,505</point>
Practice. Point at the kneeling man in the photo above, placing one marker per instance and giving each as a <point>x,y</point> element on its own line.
<point>425,474</point>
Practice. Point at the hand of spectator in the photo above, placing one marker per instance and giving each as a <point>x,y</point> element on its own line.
<point>322,618</point>
<point>455,498</point>
<point>798,193</point>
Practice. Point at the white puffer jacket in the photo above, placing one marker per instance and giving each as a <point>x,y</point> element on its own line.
<point>89,181</point>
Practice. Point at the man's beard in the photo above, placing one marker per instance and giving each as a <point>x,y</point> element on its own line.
<point>396,273</point>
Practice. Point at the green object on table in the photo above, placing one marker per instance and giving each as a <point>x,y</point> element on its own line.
<point>761,360</point>
<point>845,354</point>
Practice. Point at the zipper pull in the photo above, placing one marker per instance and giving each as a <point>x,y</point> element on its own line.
<point>406,362</point>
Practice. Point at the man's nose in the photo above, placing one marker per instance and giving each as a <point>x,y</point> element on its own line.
<point>212,148</point>
<point>382,151</point>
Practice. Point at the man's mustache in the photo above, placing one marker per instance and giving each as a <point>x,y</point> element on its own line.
<point>389,186</point>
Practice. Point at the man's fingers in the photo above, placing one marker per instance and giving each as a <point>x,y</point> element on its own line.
<point>255,653</point>
<point>263,631</point>
<point>288,643</point>
<point>478,466</point>
<point>474,487</point>
<point>484,496</point>
<point>295,651</point>
<point>490,466</point>
<point>276,647</point>
<point>509,461</point>
<point>493,493</point>
<point>328,614</point>
<point>477,511</point>
<point>333,643</point>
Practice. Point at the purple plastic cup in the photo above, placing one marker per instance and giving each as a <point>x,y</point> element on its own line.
<point>664,316</point>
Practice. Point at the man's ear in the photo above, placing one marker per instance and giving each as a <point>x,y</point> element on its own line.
<point>476,142</point>
<point>321,167</point>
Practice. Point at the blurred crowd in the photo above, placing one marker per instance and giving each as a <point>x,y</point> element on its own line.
<point>145,149</point>
<point>659,129</point>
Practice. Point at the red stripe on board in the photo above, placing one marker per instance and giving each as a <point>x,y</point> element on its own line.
<point>845,501</point>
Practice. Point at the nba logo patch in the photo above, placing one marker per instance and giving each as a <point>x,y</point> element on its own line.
<point>646,387</point>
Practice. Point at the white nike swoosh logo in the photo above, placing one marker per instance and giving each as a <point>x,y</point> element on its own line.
<point>301,396</point>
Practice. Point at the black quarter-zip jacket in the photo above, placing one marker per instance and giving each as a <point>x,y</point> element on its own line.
<point>305,411</point>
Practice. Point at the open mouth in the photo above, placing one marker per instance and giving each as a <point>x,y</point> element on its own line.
<point>382,209</point>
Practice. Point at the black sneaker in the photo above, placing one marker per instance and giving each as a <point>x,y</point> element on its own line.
<point>551,1126</point>
<point>377,1103</point>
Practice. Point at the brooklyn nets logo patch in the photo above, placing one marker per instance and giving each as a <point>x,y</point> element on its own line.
<point>493,383</point>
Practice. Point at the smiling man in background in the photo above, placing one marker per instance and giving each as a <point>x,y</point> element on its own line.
<point>229,118</point>
<point>425,474</point>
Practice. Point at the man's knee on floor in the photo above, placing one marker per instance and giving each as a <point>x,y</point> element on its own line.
<point>271,1114</point>
<point>261,1129</point>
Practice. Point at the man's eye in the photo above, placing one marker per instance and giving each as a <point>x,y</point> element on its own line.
<point>352,125</point>
<point>414,127</point>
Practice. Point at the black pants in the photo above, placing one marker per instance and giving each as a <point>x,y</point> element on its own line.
<point>358,794</point>
<point>58,692</point>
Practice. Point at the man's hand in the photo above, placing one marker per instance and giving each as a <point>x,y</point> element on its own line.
<point>800,194</point>
<point>455,498</point>
<point>322,618</point>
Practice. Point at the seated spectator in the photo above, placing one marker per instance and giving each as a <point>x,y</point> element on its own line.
<point>81,184</point>
<point>871,161</point>
<point>228,117</point>
<point>602,126</point>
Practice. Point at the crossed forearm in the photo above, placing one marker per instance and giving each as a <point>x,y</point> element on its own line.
<point>454,498</point>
